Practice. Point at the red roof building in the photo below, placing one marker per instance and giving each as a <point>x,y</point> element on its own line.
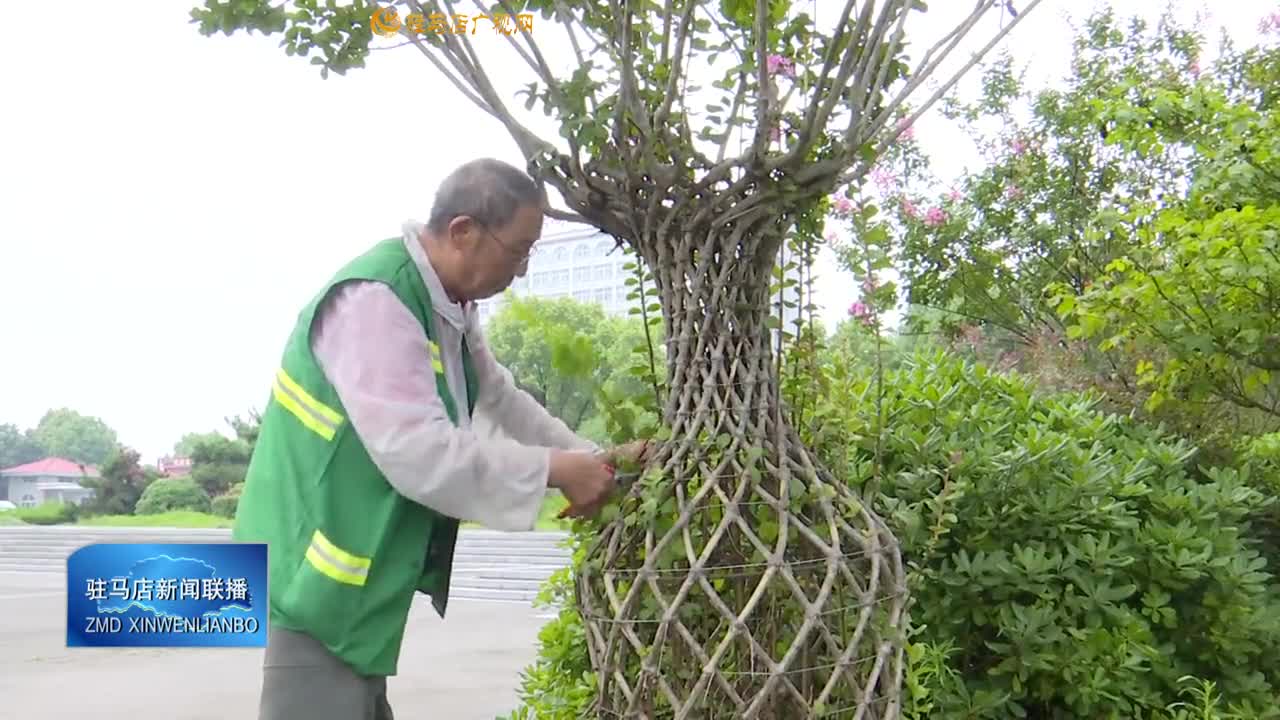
<point>46,480</point>
<point>174,466</point>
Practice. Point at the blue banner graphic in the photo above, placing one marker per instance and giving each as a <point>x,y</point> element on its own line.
<point>167,595</point>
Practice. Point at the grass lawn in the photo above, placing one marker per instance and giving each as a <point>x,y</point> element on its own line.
<point>178,519</point>
<point>10,518</point>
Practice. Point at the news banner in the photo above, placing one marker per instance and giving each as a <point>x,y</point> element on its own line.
<point>167,595</point>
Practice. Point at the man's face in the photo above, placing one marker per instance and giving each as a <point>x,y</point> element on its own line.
<point>501,254</point>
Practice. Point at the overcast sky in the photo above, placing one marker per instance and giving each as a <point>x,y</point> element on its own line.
<point>169,201</point>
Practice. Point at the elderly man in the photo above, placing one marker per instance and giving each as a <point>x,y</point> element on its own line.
<point>367,459</point>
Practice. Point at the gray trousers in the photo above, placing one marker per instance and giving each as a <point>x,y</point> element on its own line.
<point>302,680</point>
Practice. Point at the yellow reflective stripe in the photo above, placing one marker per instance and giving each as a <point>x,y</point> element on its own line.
<point>319,408</point>
<point>319,562</point>
<point>289,403</point>
<point>313,414</point>
<point>434,349</point>
<point>342,556</point>
<point>336,563</point>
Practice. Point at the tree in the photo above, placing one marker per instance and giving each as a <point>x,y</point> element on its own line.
<point>983,247</point>
<point>120,485</point>
<point>526,334</point>
<point>1193,302</point>
<point>186,446</point>
<point>723,586</point>
<point>68,434</point>
<point>247,430</point>
<point>218,462</point>
<point>17,447</point>
<point>522,335</point>
<point>1039,259</point>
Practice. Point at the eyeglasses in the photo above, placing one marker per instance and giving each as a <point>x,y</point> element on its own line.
<point>522,256</point>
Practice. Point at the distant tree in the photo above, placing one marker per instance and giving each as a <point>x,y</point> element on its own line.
<point>530,335</point>
<point>187,445</point>
<point>120,485</point>
<point>17,447</point>
<point>247,429</point>
<point>67,434</point>
<point>218,462</point>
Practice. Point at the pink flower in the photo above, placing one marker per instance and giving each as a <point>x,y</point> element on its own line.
<point>870,283</point>
<point>831,236</point>
<point>780,65</point>
<point>905,130</point>
<point>884,179</point>
<point>1270,23</point>
<point>935,217</point>
<point>1013,192</point>
<point>859,310</point>
<point>909,209</point>
<point>1018,145</point>
<point>843,206</point>
<point>1195,68</point>
<point>954,195</point>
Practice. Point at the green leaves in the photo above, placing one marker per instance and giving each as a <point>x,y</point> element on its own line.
<point>742,12</point>
<point>334,36</point>
<point>1076,563</point>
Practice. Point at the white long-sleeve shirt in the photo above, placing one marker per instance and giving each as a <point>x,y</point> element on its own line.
<point>374,352</point>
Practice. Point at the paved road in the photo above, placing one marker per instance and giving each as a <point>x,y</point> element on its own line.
<point>465,668</point>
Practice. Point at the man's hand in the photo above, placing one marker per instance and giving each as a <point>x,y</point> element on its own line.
<point>585,479</point>
<point>632,453</point>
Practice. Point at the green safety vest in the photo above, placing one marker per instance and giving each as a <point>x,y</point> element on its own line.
<point>347,552</point>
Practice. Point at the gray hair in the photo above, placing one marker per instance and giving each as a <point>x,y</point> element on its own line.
<point>486,189</point>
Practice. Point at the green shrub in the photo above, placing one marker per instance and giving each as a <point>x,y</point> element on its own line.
<point>1066,563</point>
<point>53,512</point>
<point>173,494</point>
<point>1072,563</point>
<point>225,504</point>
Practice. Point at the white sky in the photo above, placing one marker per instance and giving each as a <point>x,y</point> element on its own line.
<point>169,201</point>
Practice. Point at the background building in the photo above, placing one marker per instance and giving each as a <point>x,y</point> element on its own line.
<point>572,260</point>
<point>44,481</point>
<point>581,262</point>
<point>173,466</point>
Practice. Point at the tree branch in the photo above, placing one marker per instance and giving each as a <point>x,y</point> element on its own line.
<point>416,41</point>
<point>664,111</point>
<point>566,18</point>
<point>977,57</point>
<point>825,97</point>
<point>865,94</point>
<point>667,10</point>
<point>821,88</point>
<point>763,95</point>
<point>541,68</point>
<point>738,99</point>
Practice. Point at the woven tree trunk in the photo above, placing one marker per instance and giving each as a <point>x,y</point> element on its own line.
<point>741,580</point>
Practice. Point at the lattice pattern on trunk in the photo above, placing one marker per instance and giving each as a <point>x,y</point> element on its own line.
<point>740,580</point>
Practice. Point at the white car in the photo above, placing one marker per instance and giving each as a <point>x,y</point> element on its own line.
<point>6,506</point>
